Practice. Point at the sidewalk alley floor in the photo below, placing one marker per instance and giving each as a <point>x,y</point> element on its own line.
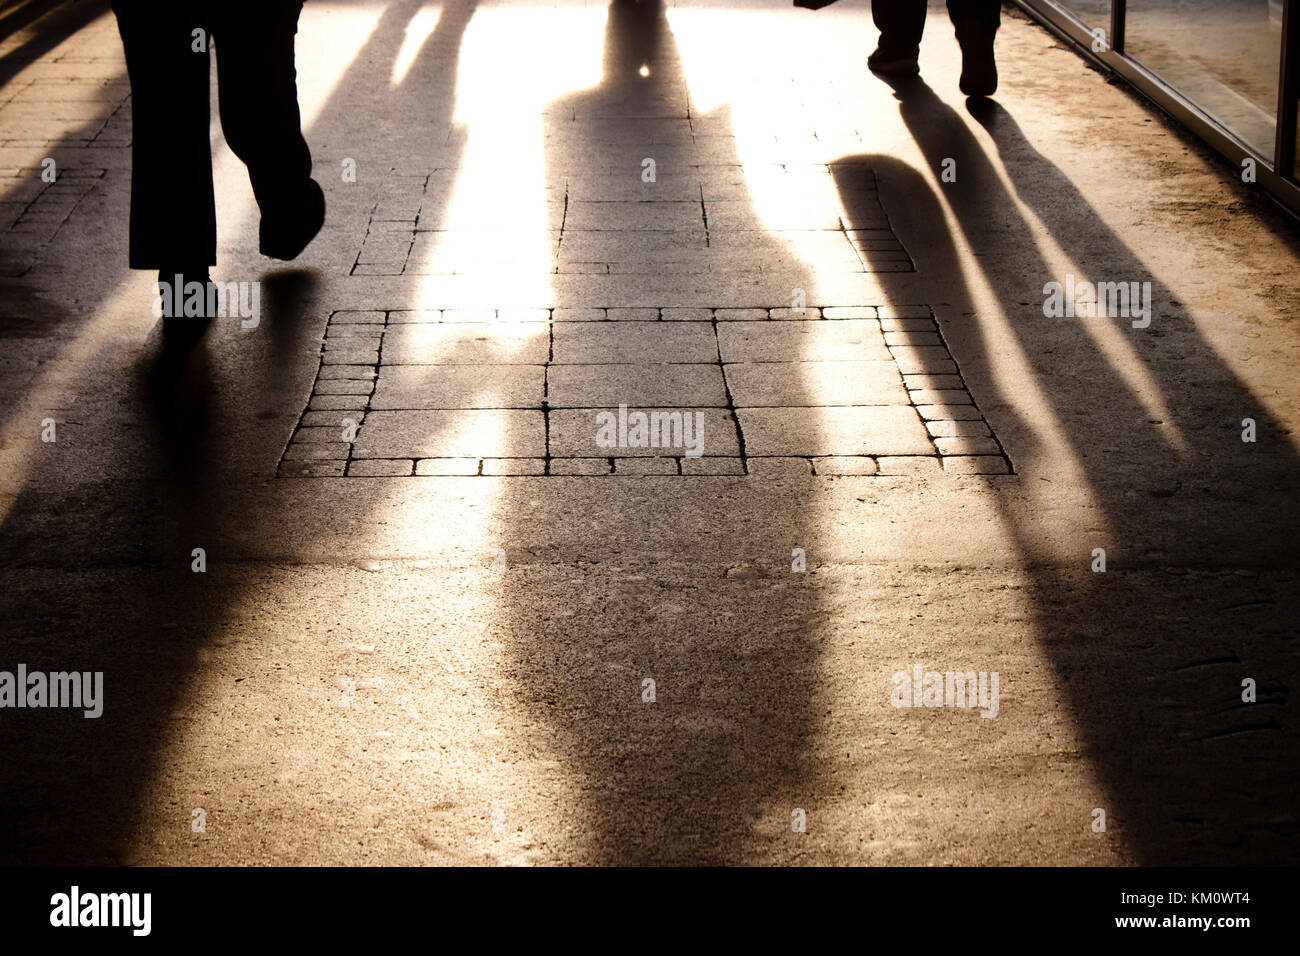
<point>667,453</point>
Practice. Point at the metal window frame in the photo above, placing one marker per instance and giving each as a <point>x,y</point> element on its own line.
<point>1276,173</point>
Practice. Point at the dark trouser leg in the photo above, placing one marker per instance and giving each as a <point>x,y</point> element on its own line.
<point>257,83</point>
<point>173,211</point>
<point>976,22</point>
<point>901,23</point>
<point>988,12</point>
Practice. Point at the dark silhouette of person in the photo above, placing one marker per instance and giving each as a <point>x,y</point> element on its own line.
<point>901,23</point>
<point>173,205</point>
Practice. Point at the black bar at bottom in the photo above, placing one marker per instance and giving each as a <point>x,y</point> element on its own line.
<point>637,907</point>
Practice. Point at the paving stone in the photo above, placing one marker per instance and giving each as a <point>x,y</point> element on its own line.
<point>845,466</point>
<point>522,315</point>
<point>343,386</point>
<point>467,343</point>
<point>583,268</point>
<point>459,386</point>
<point>381,468</point>
<point>930,360</point>
<point>514,466</point>
<point>794,315</point>
<point>315,451</point>
<point>780,466</point>
<point>385,248</point>
<point>320,433</point>
<point>637,386</point>
<point>739,215</point>
<point>967,446</point>
<point>645,466</point>
<point>913,338</point>
<point>845,340</point>
<point>350,357</point>
<point>687,315</point>
<point>579,315</point>
<point>580,466</point>
<point>634,342</point>
<point>908,325</point>
<point>435,467</point>
<point>776,384</point>
<point>438,433</point>
<point>937,382</point>
<point>339,402</point>
<point>976,465</point>
<point>622,217</point>
<point>742,315</point>
<point>766,249</point>
<point>640,246</point>
<point>354,336</point>
<point>713,466</point>
<point>346,373</point>
<point>311,469</point>
<point>940,396</point>
<point>880,430</point>
<point>573,434</point>
<point>851,312</point>
<point>908,465</point>
<point>486,316</point>
<point>357,318</point>
<point>904,311</point>
<point>957,429</point>
<point>414,316</point>
<point>330,418</point>
<point>949,412</point>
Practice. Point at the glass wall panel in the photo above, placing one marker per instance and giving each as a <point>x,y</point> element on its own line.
<point>1223,55</point>
<point>1095,13</point>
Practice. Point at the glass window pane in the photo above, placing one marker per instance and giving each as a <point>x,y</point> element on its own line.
<point>1223,55</point>
<point>1095,13</point>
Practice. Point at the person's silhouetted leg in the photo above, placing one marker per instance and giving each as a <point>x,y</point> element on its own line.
<point>173,211</point>
<point>257,85</point>
<point>901,23</point>
<point>976,22</point>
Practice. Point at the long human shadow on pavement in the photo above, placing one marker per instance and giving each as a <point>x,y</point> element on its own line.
<point>99,575</point>
<point>1152,652</point>
<point>718,761</point>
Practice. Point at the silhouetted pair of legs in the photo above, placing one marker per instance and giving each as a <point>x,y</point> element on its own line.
<point>173,208</point>
<point>901,23</point>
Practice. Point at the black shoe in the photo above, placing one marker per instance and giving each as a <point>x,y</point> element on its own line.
<point>979,72</point>
<point>893,63</point>
<point>288,229</point>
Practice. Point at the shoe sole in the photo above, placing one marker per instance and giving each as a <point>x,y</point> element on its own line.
<point>895,68</point>
<point>287,252</point>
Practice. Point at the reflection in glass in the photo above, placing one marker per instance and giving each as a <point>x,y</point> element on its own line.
<point>1095,13</point>
<point>1221,54</point>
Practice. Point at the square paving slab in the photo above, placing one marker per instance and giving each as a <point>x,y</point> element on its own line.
<point>602,390</point>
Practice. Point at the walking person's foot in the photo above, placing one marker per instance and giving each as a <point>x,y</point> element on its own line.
<point>182,332</point>
<point>889,62</point>
<point>288,229</point>
<point>979,71</point>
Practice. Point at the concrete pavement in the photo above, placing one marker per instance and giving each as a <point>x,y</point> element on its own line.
<point>439,621</point>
